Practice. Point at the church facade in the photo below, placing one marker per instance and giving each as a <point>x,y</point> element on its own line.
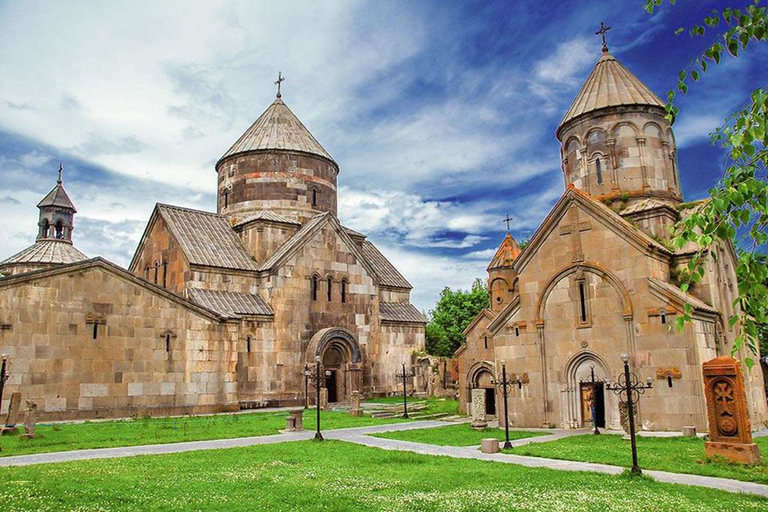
<point>216,311</point>
<point>598,280</point>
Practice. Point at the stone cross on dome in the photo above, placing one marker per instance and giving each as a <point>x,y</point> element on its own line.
<point>61,169</point>
<point>278,83</point>
<point>604,29</point>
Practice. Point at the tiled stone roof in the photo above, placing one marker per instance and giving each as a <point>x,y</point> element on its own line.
<point>230,303</point>
<point>47,252</point>
<point>265,215</point>
<point>57,197</point>
<point>609,85</point>
<point>206,238</point>
<point>643,206</point>
<point>506,254</point>
<point>680,295</point>
<point>396,312</point>
<point>388,274</point>
<point>353,233</point>
<point>277,128</point>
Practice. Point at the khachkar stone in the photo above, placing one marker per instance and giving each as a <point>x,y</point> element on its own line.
<point>354,404</point>
<point>13,415</point>
<point>730,434</point>
<point>30,420</point>
<point>478,409</point>
<point>324,398</point>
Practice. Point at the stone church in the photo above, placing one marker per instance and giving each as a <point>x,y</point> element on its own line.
<point>598,279</point>
<point>217,311</point>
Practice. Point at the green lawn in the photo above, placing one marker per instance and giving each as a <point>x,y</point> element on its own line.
<point>455,435</point>
<point>675,454</point>
<point>434,405</point>
<point>336,476</point>
<point>106,434</point>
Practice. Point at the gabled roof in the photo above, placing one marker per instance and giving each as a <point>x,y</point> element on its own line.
<point>609,84</point>
<point>205,238</point>
<point>670,291</point>
<point>388,274</point>
<point>264,215</point>
<point>612,219</point>
<point>47,252</point>
<point>501,319</point>
<point>230,304</point>
<point>278,129</point>
<point>484,313</point>
<point>115,270</point>
<point>506,254</point>
<point>399,312</point>
<point>57,197</point>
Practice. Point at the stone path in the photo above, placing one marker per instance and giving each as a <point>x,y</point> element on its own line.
<point>360,435</point>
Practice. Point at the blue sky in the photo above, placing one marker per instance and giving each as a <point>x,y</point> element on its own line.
<point>441,114</point>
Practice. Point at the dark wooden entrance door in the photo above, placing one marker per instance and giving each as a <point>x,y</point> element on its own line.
<point>490,401</point>
<point>330,384</point>
<point>590,399</point>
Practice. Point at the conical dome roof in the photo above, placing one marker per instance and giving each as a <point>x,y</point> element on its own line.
<point>609,85</point>
<point>278,128</point>
<point>506,254</point>
<point>57,197</point>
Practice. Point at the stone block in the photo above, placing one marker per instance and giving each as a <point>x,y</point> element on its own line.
<point>734,452</point>
<point>489,445</point>
<point>135,389</point>
<point>93,390</point>
<point>55,404</point>
<point>689,431</point>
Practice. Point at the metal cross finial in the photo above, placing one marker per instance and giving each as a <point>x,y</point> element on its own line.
<point>604,29</point>
<point>61,169</point>
<point>280,80</point>
<point>508,219</point>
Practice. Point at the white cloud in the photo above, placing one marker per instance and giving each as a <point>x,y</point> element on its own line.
<point>567,64</point>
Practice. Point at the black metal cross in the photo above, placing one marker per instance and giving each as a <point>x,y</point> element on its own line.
<point>404,375</point>
<point>604,29</point>
<point>278,83</point>
<point>508,219</point>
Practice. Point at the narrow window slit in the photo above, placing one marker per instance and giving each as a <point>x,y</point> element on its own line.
<point>583,302</point>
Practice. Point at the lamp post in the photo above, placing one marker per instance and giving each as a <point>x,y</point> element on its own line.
<point>593,382</point>
<point>505,385</point>
<point>629,388</point>
<point>317,376</point>
<point>404,374</point>
<point>306,386</point>
<point>3,378</point>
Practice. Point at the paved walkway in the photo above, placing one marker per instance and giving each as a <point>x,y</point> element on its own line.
<point>360,435</point>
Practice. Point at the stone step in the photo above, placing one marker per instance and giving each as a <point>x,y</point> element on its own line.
<point>382,414</point>
<point>433,416</point>
<point>453,418</point>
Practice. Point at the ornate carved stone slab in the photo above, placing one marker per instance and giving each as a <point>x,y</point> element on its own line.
<point>730,434</point>
<point>478,409</point>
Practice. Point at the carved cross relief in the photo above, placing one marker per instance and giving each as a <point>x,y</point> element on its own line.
<point>574,228</point>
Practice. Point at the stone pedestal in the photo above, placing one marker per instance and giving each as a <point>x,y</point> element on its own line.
<point>298,418</point>
<point>290,424</point>
<point>478,409</point>
<point>354,404</point>
<point>730,434</point>
<point>490,445</point>
<point>689,431</point>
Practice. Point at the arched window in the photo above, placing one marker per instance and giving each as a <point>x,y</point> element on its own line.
<point>46,228</point>
<point>165,273</point>
<point>167,342</point>
<point>95,330</point>
<point>314,197</point>
<point>599,169</point>
<point>330,289</point>
<point>517,330</point>
<point>247,343</point>
<point>156,266</point>
<point>59,230</point>
<point>314,287</point>
<point>485,341</point>
<point>344,290</point>
<point>146,273</point>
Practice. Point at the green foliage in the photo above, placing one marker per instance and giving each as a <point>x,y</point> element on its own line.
<point>453,313</point>
<point>523,243</point>
<point>737,209</point>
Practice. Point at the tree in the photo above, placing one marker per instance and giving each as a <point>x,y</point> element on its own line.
<point>453,313</point>
<point>737,208</point>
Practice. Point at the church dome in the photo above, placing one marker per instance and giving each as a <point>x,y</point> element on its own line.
<point>609,85</point>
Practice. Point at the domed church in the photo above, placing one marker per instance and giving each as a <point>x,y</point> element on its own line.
<point>598,281</point>
<point>217,311</point>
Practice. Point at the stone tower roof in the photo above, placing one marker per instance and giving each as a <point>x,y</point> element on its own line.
<point>610,85</point>
<point>506,254</point>
<point>57,197</point>
<point>278,128</point>
<point>47,252</point>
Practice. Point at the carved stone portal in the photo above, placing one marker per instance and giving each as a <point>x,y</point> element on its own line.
<point>730,434</point>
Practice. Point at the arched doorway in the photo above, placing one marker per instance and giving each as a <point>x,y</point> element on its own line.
<point>586,404</point>
<point>340,356</point>
<point>481,377</point>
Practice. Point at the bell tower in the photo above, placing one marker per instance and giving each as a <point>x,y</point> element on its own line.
<point>615,141</point>
<point>57,214</point>
<point>502,277</point>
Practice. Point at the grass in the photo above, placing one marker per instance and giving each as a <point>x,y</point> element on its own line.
<point>455,435</point>
<point>434,405</point>
<point>674,454</point>
<point>337,476</point>
<point>133,432</point>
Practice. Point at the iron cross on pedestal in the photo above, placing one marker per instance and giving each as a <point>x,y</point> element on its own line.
<point>604,29</point>
<point>278,83</point>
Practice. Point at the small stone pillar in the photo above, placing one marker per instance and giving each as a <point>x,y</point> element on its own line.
<point>297,415</point>
<point>30,421</point>
<point>354,404</point>
<point>13,415</point>
<point>324,398</point>
<point>478,409</point>
<point>290,424</point>
<point>689,431</point>
<point>490,445</point>
<point>730,433</point>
